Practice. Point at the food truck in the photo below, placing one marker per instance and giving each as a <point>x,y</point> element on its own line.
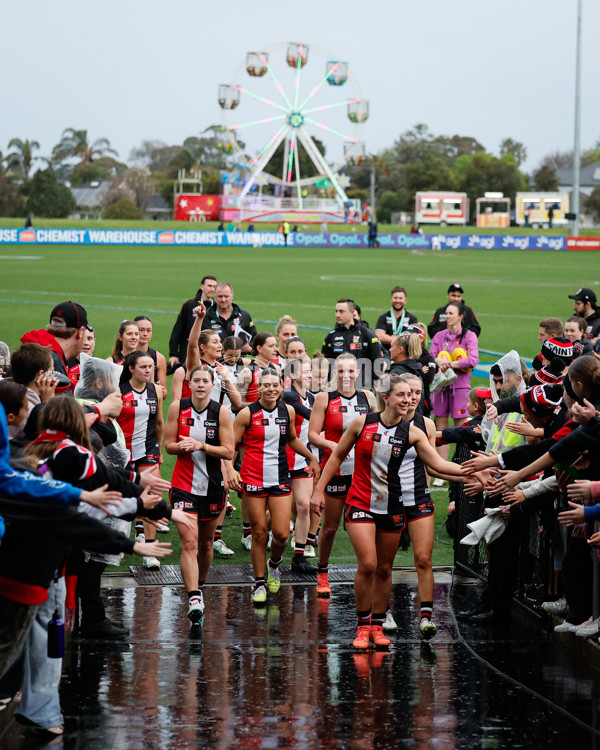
<point>441,207</point>
<point>531,209</point>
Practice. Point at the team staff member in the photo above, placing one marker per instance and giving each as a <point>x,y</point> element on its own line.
<point>185,320</point>
<point>199,432</point>
<point>396,320</point>
<point>331,415</point>
<point>228,319</point>
<point>267,427</point>
<point>584,305</point>
<point>350,336</point>
<point>438,322</point>
<point>374,513</point>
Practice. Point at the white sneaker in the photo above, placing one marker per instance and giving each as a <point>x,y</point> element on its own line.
<point>437,482</point>
<point>587,628</point>
<point>196,608</point>
<point>559,607</point>
<point>427,628</point>
<point>247,542</point>
<point>222,549</point>
<point>565,627</point>
<point>389,623</point>
<point>269,539</point>
<point>141,538</point>
<point>292,542</point>
<point>162,528</point>
<point>151,563</point>
<point>309,551</point>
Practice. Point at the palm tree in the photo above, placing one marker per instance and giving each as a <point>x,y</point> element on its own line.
<point>22,158</point>
<point>74,145</point>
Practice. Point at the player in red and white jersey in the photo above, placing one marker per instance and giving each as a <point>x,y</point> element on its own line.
<point>205,348</point>
<point>126,343</point>
<point>374,514</point>
<point>141,420</point>
<point>160,362</point>
<point>298,397</point>
<point>286,329</point>
<point>332,413</point>
<point>199,431</point>
<point>266,428</point>
<point>419,510</point>
<point>264,351</point>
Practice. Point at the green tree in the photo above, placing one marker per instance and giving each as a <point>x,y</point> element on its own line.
<point>48,197</point>
<point>21,158</point>
<point>139,181</point>
<point>387,204</point>
<point>545,178</point>
<point>103,168</point>
<point>75,144</point>
<point>591,155</point>
<point>592,205</point>
<point>510,147</point>
<point>124,208</point>
<point>11,200</point>
<point>486,173</point>
<point>307,168</point>
<point>429,173</point>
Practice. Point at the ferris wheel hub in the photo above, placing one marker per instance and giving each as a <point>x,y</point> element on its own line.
<point>296,119</point>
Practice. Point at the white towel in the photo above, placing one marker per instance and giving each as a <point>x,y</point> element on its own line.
<point>488,527</point>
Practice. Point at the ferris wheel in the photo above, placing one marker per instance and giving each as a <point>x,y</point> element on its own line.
<point>289,107</point>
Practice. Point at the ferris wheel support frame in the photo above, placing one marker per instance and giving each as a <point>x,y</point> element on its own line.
<point>262,162</point>
<point>320,162</point>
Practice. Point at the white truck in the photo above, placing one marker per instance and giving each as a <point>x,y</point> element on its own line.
<point>441,207</point>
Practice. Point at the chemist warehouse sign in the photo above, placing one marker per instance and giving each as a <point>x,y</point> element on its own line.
<point>349,240</point>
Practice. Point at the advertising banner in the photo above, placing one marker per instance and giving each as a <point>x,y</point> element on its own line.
<point>358,240</point>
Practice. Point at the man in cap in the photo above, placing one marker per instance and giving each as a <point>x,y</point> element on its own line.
<point>438,322</point>
<point>64,335</point>
<point>584,305</point>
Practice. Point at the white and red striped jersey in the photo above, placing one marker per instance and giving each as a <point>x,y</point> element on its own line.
<point>252,391</point>
<point>265,461</point>
<point>235,370</point>
<point>302,407</point>
<point>380,451</point>
<point>198,472</point>
<point>338,415</point>
<point>138,421</point>
<point>413,476</point>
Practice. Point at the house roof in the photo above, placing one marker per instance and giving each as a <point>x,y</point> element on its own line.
<point>589,176</point>
<point>89,194</point>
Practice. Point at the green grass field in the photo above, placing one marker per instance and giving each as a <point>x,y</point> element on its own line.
<point>509,290</point>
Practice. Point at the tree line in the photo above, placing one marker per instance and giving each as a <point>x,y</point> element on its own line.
<point>418,160</point>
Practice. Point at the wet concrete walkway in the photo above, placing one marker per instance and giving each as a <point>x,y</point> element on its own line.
<point>286,676</point>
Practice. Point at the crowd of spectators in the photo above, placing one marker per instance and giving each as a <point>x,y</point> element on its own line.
<point>66,473</point>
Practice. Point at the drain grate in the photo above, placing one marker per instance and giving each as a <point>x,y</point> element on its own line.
<point>227,575</point>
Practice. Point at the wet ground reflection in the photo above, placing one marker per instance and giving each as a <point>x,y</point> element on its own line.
<point>286,677</point>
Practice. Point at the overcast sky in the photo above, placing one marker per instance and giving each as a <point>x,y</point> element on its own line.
<point>132,70</point>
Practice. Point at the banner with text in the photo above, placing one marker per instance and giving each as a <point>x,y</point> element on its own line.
<point>214,238</point>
